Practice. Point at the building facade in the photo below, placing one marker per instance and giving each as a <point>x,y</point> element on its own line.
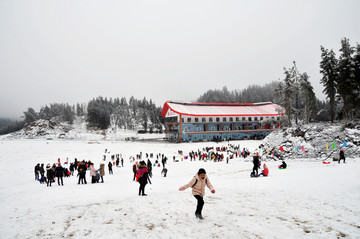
<point>191,122</point>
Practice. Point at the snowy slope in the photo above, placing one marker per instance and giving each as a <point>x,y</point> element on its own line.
<point>314,138</point>
<point>307,200</point>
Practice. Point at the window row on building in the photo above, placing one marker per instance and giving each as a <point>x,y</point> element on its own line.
<point>224,119</point>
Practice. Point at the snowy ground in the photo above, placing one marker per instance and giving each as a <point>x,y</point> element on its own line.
<point>307,200</point>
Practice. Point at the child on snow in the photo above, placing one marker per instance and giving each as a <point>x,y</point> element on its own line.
<point>198,189</point>
<point>164,172</point>
<point>283,165</point>
<point>265,172</point>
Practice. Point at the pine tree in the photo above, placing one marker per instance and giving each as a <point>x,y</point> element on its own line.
<point>346,84</point>
<point>295,82</point>
<point>79,110</point>
<point>357,78</point>
<point>45,113</point>
<point>68,114</point>
<point>287,94</point>
<point>279,94</point>
<point>310,99</point>
<point>30,116</point>
<point>328,68</point>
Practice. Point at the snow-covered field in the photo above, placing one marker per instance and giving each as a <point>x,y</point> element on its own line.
<point>307,200</point>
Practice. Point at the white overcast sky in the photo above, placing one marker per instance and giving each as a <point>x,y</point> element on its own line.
<point>73,51</point>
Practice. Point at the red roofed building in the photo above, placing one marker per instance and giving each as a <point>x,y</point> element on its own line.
<point>186,122</point>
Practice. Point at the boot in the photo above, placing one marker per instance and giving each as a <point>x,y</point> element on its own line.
<point>198,215</point>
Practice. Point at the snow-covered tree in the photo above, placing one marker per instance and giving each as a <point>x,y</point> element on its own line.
<point>328,68</point>
<point>346,83</point>
<point>357,79</point>
<point>308,95</point>
<point>288,90</point>
<point>31,115</point>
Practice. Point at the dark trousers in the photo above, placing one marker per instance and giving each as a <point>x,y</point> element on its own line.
<point>82,179</point>
<point>60,178</point>
<point>134,176</point>
<point>49,180</point>
<point>341,159</point>
<point>142,189</point>
<point>36,175</point>
<point>200,204</point>
<point>255,169</point>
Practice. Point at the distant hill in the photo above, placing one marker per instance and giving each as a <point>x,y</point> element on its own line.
<point>252,94</point>
<point>10,125</point>
<point>79,130</point>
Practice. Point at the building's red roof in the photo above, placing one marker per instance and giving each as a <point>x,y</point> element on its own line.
<point>222,109</point>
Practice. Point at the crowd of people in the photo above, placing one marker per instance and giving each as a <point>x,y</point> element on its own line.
<point>57,171</point>
<point>143,169</point>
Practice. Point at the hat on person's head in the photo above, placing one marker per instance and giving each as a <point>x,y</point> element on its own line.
<point>201,171</point>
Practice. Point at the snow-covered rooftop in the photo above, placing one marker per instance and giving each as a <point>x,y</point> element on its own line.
<point>221,109</point>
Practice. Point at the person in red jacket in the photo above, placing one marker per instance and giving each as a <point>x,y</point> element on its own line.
<point>198,189</point>
<point>265,172</point>
<point>143,177</point>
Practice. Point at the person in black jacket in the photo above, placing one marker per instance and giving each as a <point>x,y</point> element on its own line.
<point>163,161</point>
<point>37,171</point>
<point>71,169</point>
<point>256,164</point>
<point>134,171</point>
<point>341,155</point>
<point>59,173</point>
<point>149,166</point>
<point>76,164</point>
<point>42,170</point>
<point>110,168</point>
<point>49,174</point>
<point>82,173</point>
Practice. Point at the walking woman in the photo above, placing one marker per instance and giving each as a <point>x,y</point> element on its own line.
<point>198,190</point>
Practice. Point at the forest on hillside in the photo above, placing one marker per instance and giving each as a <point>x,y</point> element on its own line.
<point>100,113</point>
<point>294,92</point>
<point>340,78</point>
